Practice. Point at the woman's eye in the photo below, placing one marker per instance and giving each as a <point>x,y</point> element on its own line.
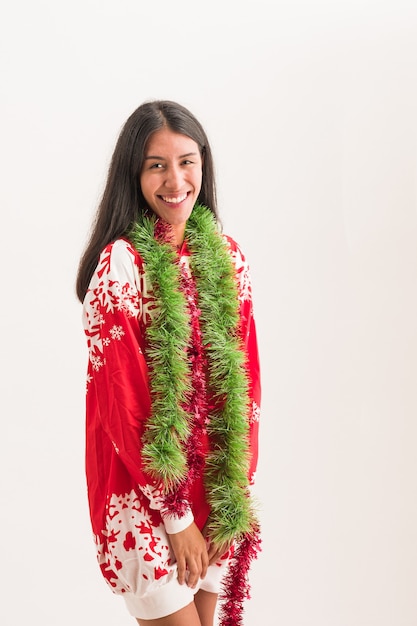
<point>186,162</point>
<point>155,166</point>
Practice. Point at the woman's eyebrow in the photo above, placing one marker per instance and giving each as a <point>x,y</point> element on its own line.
<point>160,158</point>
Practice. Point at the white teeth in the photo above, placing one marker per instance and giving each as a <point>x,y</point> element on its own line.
<point>174,200</point>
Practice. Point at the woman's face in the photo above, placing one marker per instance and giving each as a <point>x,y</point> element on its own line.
<point>171,178</point>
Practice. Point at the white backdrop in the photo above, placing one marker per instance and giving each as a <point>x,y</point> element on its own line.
<point>311,111</point>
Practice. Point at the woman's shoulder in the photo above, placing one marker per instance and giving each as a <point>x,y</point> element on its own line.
<point>234,247</point>
<point>120,250</point>
<point>118,255</point>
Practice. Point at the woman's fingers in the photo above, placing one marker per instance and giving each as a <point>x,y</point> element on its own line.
<point>215,552</point>
<point>181,569</point>
<point>190,551</point>
<point>194,554</point>
<point>204,562</point>
<point>195,571</point>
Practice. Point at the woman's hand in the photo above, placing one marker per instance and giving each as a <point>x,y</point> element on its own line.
<point>215,551</point>
<point>190,549</point>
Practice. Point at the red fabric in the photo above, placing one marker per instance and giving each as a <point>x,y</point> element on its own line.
<point>117,308</point>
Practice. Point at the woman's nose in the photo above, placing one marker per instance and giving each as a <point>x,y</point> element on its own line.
<point>173,178</point>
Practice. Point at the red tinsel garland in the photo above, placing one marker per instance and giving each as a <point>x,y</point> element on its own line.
<point>236,586</point>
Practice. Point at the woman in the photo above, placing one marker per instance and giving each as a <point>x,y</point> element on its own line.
<point>173,388</point>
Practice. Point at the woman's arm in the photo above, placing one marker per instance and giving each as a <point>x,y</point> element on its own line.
<point>118,391</point>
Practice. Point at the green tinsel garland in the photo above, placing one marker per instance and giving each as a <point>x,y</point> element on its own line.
<point>168,336</point>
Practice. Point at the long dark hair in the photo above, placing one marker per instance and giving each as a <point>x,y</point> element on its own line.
<point>122,202</point>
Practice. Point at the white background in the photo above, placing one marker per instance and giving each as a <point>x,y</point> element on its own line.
<point>311,109</point>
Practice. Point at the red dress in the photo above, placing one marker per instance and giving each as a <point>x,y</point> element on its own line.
<point>126,504</point>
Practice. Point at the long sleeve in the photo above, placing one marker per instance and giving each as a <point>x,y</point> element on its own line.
<point>118,398</point>
<point>248,331</point>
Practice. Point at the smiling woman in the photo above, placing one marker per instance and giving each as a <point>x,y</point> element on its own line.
<point>173,385</point>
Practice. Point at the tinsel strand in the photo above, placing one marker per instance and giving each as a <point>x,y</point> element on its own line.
<point>179,393</point>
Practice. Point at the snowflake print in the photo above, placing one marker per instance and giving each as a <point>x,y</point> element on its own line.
<point>245,284</point>
<point>256,413</point>
<point>96,362</point>
<point>242,274</point>
<point>117,332</point>
<point>131,530</point>
<point>106,341</point>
